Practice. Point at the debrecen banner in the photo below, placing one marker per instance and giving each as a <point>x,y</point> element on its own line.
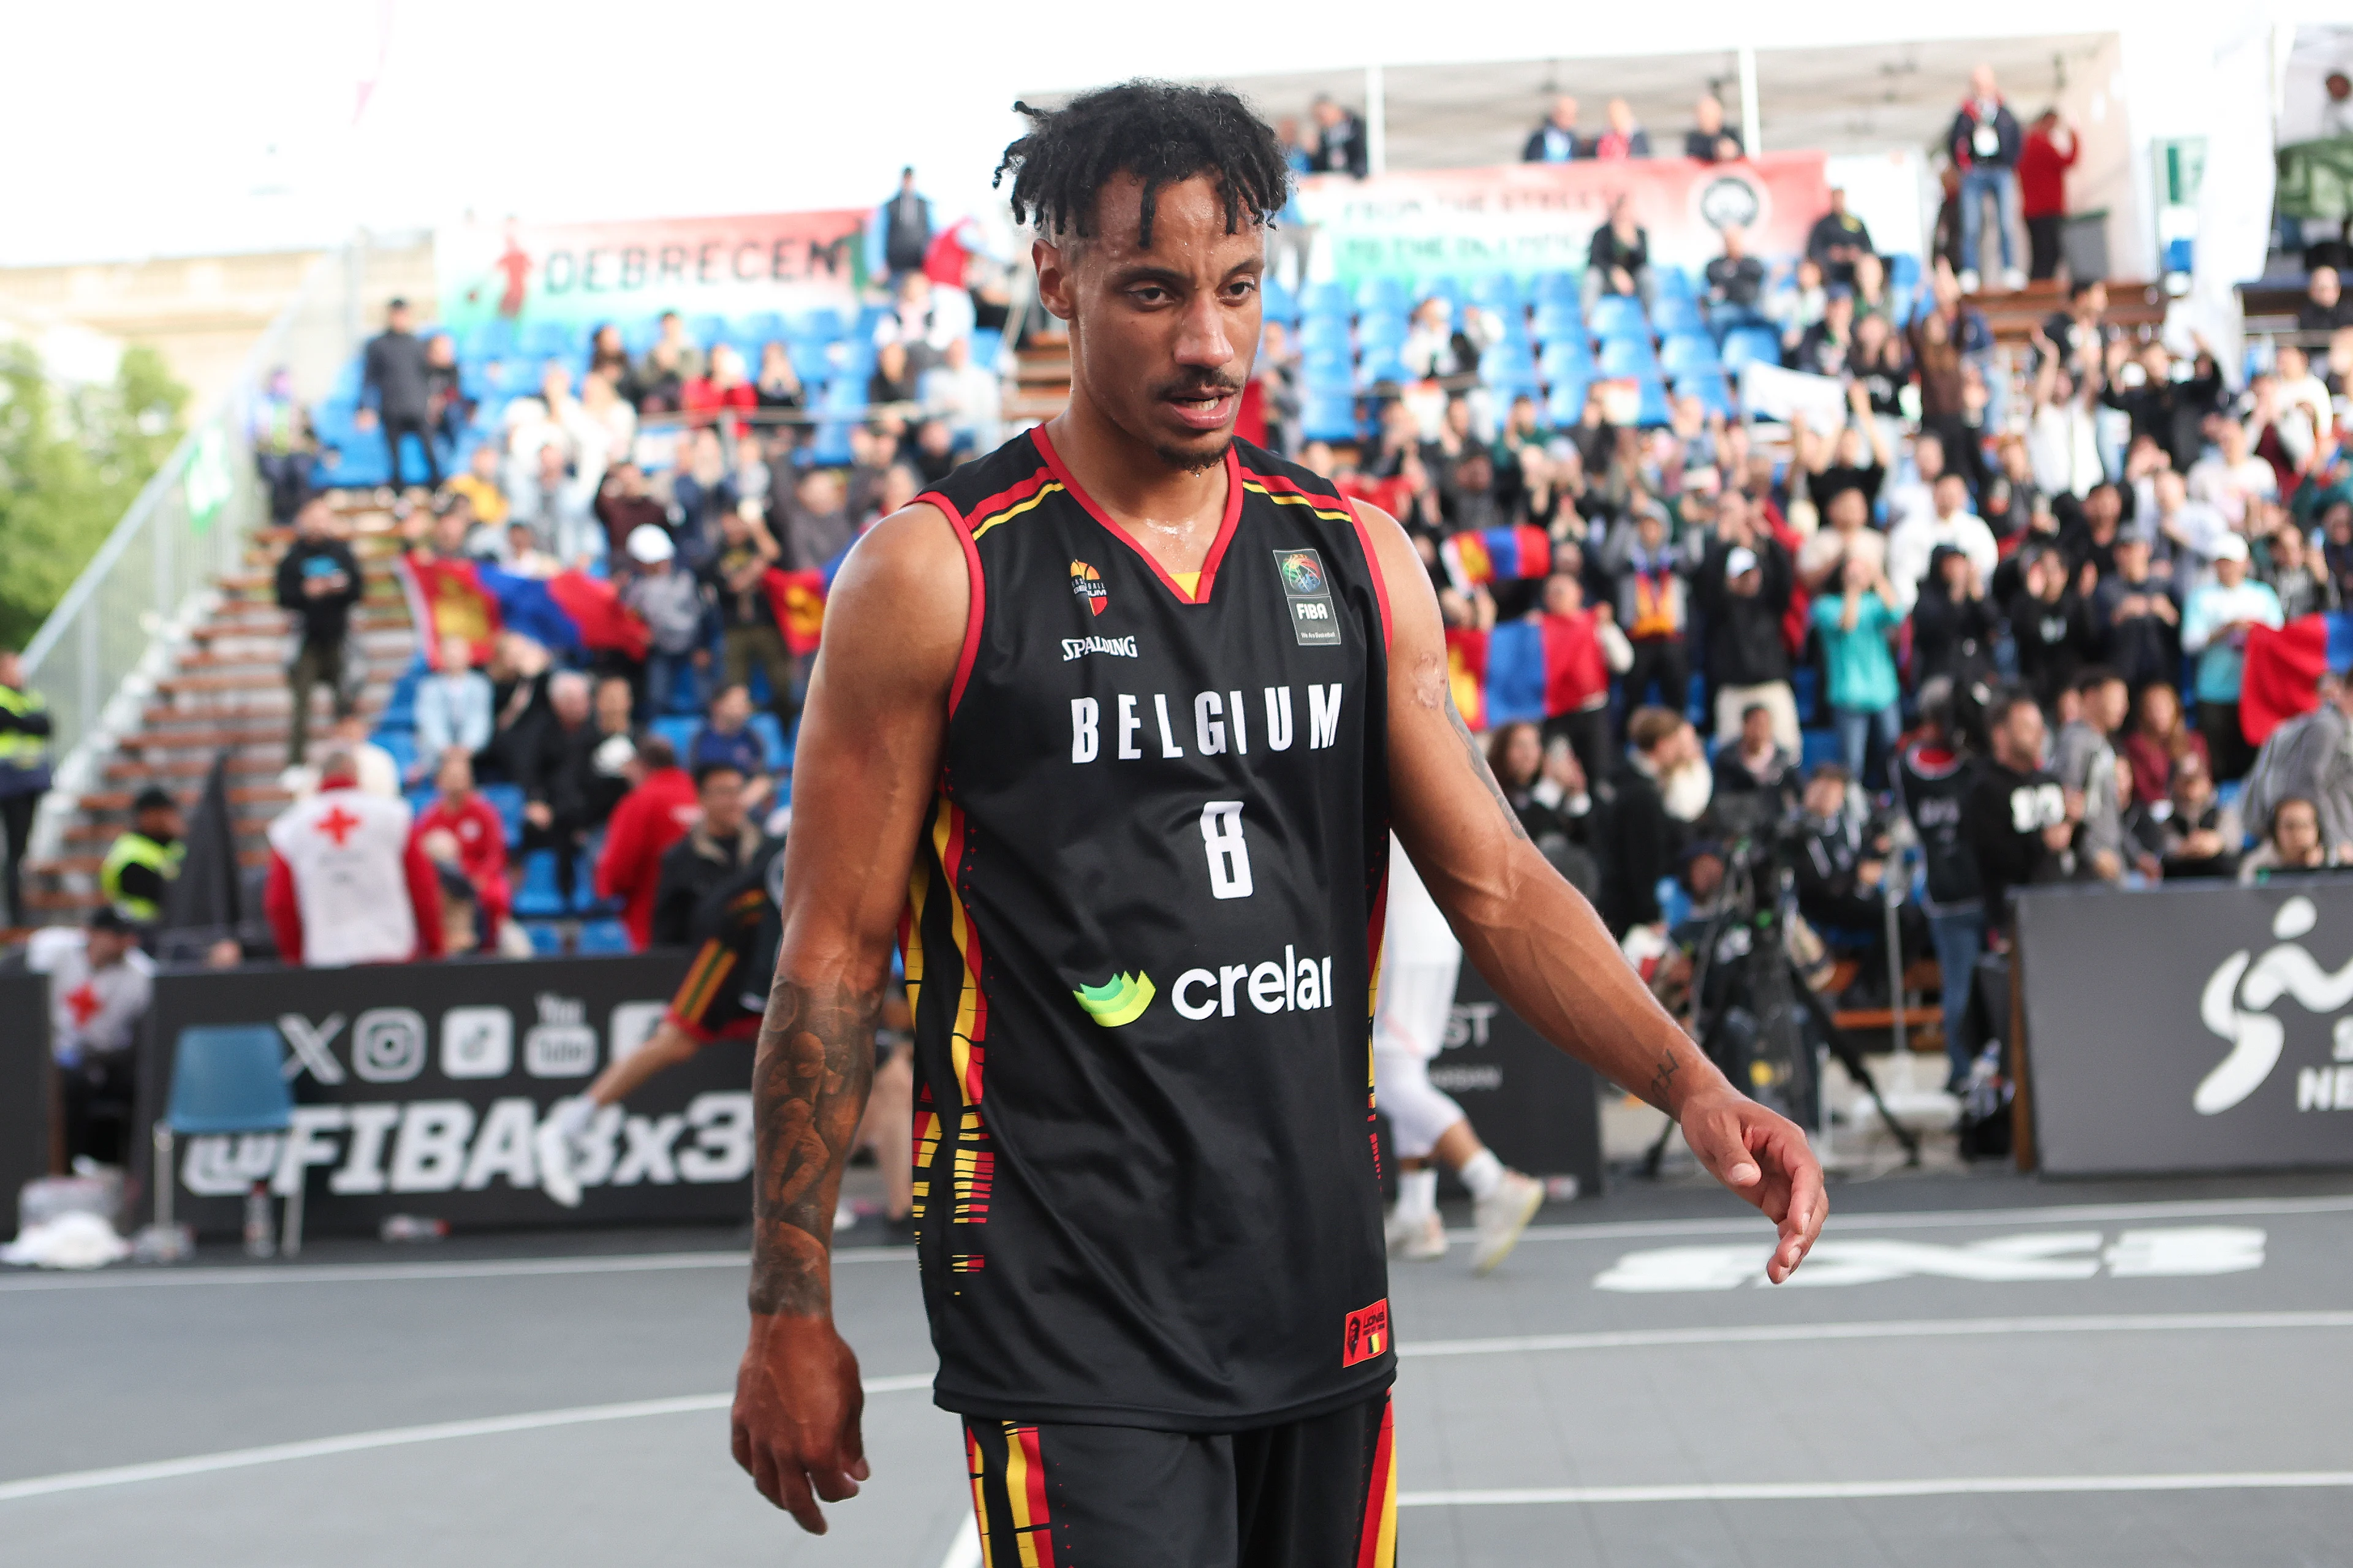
<point>2191,1028</point>
<point>418,1088</point>
<point>590,272</point>
<point>1531,1104</point>
<point>1540,217</point>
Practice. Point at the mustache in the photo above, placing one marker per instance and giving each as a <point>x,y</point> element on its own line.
<point>1209,385</point>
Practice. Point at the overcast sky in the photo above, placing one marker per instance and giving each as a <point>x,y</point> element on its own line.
<point>144,128</point>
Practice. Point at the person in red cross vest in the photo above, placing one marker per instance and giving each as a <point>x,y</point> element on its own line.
<point>348,884</point>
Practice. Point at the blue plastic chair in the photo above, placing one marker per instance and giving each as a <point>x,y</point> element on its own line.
<point>1281,304</point>
<point>1380,365</point>
<point>1684,354</point>
<point>1566,405</point>
<point>1710,387</point>
<point>1558,321</point>
<point>1380,330</point>
<point>1759,343</point>
<point>1904,270</point>
<point>763,724</point>
<point>1670,283</point>
<point>1326,299</point>
<point>506,799</point>
<point>1328,416</point>
<point>604,938</point>
<point>1441,287</point>
<point>1651,409</point>
<point>225,1080</point>
<point>1382,294</point>
<point>537,897</point>
<point>680,730</point>
<point>1628,356</point>
<point>1677,316</point>
<point>547,937</point>
<point>1328,370</point>
<point>1557,289</point>
<point>1322,331</point>
<point>1564,359</point>
<point>1617,316</point>
<point>1498,291</point>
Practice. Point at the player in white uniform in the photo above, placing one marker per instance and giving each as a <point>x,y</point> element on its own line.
<point>1421,961</point>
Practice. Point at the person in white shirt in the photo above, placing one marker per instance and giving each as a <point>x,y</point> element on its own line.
<point>100,987</point>
<point>969,400</point>
<point>1918,497</point>
<point>2214,627</point>
<point>347,884</point>
<point>2232,476</point>
<point>2190,530</point>
<point>2301,412</point>
<point>1915,540</point>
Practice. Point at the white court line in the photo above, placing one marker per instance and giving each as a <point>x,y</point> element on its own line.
<point>1741,1225</point>
<point>1896,1328</point>
<point>1939,1486</point>
<point>1934,1220</point>
<point>396,1437</point>
<point>485,1268</point>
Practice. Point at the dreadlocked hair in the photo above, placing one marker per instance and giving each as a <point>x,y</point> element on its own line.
<point>1159,131</point>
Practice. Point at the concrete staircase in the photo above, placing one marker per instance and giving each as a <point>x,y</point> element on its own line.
<point>1041,377</point>
<point>228,690</point>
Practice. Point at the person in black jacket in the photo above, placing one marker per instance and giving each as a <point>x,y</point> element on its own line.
<point>1743,584</point>
<point>318,581</point>
<point>1340,147</point>
<point>1644,839</point>
<point>1933,779</point>
<point>713,850</point>
<point>1984,143</point>
<point>395,376</point>
<point>573,775</point>
<point>2018,822</point>
<point>1555,141</point>
<point>2051,624</point>
<point>1617,259</point>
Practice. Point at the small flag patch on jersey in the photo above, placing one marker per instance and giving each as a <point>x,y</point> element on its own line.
<point>1086,583</point>
<point>1368,1333</point>
<point>1122,999</point>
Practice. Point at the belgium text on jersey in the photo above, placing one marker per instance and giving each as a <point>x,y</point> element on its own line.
<point>1219,720</point>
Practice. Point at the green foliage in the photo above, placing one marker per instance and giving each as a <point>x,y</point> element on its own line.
<point>71,462</point>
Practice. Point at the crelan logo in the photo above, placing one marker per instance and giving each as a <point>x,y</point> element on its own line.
<point>1122,999</point>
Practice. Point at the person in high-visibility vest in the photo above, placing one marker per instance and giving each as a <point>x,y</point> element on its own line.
<point>140,865</point>
<point>24,778</point>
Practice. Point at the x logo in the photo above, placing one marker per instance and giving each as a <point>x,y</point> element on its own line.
<point>310,1046</point>
<point>648,1156</point>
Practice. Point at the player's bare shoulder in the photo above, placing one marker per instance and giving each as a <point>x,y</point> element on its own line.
<point>896,615</point>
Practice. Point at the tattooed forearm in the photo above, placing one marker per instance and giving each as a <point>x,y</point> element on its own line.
<point>809,1080</point>
<point>1479,766</point>
<point>1660,1081</point>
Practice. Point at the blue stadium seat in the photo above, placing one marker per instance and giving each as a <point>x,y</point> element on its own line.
<point>1904,270</point>
<point>1441,287</point>
<point>604,938</point>
<point>1628,356</point>
<point>1761,343</point>
<point>1326,299</point>
<point>1566,405</point>
<point>1710,387</point>
<point>1497,291</point>
<point>1684,353</point>
<point>1381,364</point>
<point>401,746</point>
<point>1380,330</point>
<point>1327,416</point>
<point>1566,359</point>
<point>1669,282</point>
<point>1651,408</point>
<point>1279,304</point>
<point>1804,681</point>
<point>1328,369</point>
<point>760,327</point>
<point>1514,378</point>
<point>812,361</point>
<point>679,729</point>
<point>1558,321</point>
<point>1557,288</point>
<point>1382,294</point>
<point>547,937</point>
<point>823,324</point>
<point>1324,331</point>
<point>987,347</point>
<point>772,737</point>
<point>536,895</point>
<point>553,339</point>
<point>1820,746</point>
<point>506,799</point>
<point>1617,316</point>
<point>1676,316</point>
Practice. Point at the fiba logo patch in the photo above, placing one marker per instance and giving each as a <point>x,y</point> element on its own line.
<point>1302,572</point>
<point>1307,590</point>
<point>1086,586</point>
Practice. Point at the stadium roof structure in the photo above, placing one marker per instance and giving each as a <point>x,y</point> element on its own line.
<point>1852,98</point>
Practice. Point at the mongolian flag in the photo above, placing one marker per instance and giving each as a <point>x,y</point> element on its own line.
<point>1496,555</point>
<point>1540,666</point>
<point>569,613</point>
<point>1466,673</point>
<point>799,600</point>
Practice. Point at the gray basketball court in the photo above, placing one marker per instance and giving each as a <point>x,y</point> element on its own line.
<point>1971,1370</point>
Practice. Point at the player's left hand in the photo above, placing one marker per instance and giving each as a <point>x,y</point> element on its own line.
<point>1764,1157</point>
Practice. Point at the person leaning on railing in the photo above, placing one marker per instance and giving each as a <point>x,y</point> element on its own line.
<point>24,775</point>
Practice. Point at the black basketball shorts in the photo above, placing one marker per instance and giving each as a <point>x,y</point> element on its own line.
<point>1318,1493</point>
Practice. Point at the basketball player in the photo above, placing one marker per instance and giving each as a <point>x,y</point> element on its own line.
<point>1109,729</point>
<point>1420,961</point>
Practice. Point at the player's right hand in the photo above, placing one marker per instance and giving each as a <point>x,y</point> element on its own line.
<point>795,1421</point>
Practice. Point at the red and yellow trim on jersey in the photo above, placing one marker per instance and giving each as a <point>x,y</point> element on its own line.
<point>1284,492</point>
<point>1375,926</point>
<point>1007,505</point>
<point>972,1164</point>
<point>978,1467</point>
<point>1377,1540</point>
<point>926,1139</point>
<point>1024,1493</point>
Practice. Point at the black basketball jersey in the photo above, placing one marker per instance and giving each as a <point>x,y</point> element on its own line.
<point>1139,944</point>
